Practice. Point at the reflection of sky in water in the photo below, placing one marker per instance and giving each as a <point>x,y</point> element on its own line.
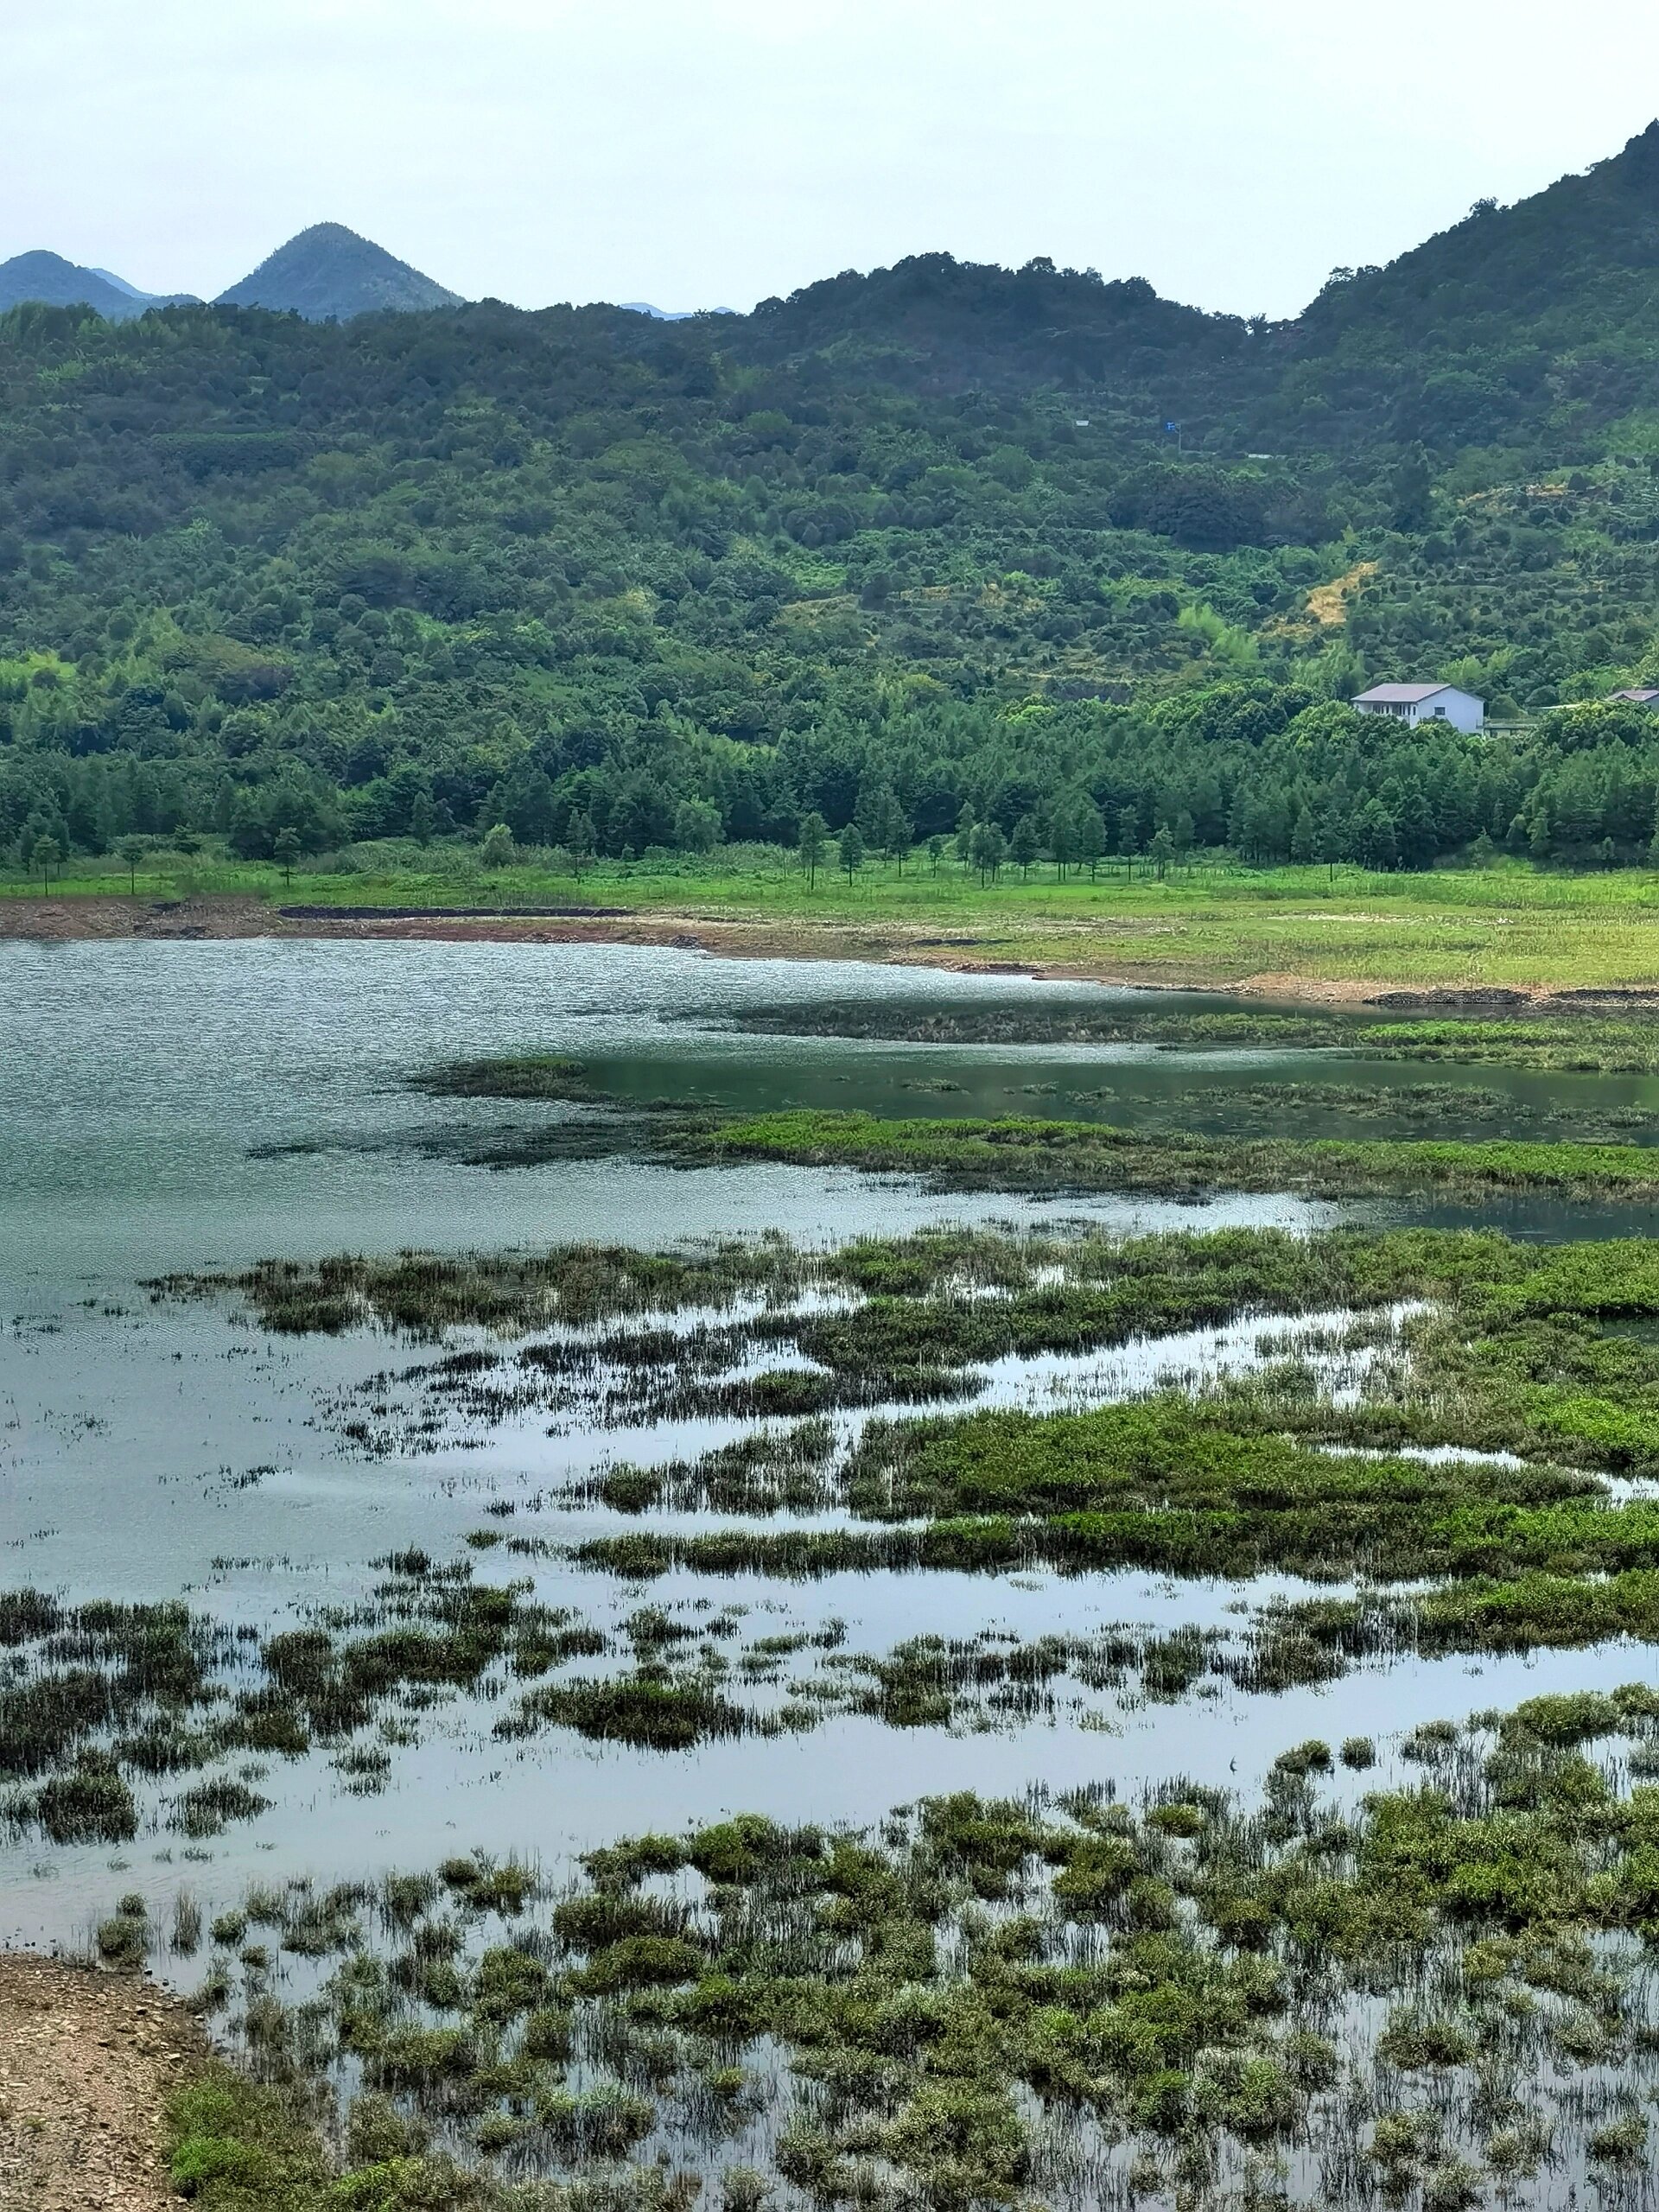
<point>138,1078</point>
<point>136,1083</point>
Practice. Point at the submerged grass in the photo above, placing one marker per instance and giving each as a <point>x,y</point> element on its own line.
<point>522,1076</point>
<point>939,1297</point>
<point>771,1331</point>
<point>1440,1990</point>
<point>1617,1032</point>
<point>671,1683</point>
<point>1493,1387</point>
<point>1268,1109</point>
<point>94,1698</point>
<point>426,1293</point>
<point>1161,1484</point>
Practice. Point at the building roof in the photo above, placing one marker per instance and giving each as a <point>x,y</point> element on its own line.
<point>1635,697</point>
<point>1401,695</point>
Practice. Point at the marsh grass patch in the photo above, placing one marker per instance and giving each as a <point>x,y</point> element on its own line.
<point>1440,1986</point>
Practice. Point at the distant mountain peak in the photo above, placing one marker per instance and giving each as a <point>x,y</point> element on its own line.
<point>119,282</point>
<point>670,314</point>
<point>48,278</point>
<point>329,274</point>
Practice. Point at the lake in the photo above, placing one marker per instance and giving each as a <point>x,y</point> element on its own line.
<point>186,1106</point>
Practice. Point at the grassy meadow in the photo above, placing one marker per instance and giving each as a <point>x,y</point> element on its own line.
<point>1508,926</point>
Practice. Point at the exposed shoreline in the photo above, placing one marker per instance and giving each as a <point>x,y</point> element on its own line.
<point>81,920</point>
<point>88,2060</point>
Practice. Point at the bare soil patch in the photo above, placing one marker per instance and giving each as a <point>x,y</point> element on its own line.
<point>87,2062</point>
<point>71,921</point>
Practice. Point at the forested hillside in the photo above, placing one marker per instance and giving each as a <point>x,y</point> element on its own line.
<point>901,547</point>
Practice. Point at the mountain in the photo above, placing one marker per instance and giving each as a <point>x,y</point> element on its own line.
<point>984,536</point>
<point>328,274</point>
<point>61,283</point>
<point>120,283</point>
<point>933,323</point>
<point>669,315</point>
<point>1525,326</point>
<point>1578,257</point>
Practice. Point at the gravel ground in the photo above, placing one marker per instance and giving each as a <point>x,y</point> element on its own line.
<point>87,2063</point>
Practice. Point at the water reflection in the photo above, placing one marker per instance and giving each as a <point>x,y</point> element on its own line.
<point>152,1097</point>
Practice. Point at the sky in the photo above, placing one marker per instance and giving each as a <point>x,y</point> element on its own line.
<point>705,153</point>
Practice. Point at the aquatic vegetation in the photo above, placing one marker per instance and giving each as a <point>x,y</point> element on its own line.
<point>1270,1107</point>
<point>897,1323</point>
<point>527,1076</point>
<point>324,1683</point>
<point>1561,1034</point>
<point>664,1712</point>
<point>768,1330</point>
<point>210,1807</point>
<point>1163,1481</point>
<point>1437,1987</point>
<point>1472,1352</point>
<point>767,1470</point>
<point>425,1293</point>
<point>123,1940</point>
<point>1529,1355</point>
<point>97,1695</point>
<point>1521,1350</point>
<point>108,1663</point>
<point>91,1803</point>
<point>1016,1154</point>
<point>1168,1280</point>
<point>1442,1985</point>
<point>1480,1351</point>
<point>672,1131</point>
<point>1418,1966</point>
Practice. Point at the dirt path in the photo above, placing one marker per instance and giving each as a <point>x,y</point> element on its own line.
<point>86,2063</point>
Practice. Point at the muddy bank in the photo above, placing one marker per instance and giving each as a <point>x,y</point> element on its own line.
<point>88,2063</point>
<point>73,920</point>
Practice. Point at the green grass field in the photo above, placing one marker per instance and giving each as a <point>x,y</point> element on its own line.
<point>1509,925</point>
<point>1077,1156</point>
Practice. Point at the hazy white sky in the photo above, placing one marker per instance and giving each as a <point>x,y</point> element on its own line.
<point>708,152</point>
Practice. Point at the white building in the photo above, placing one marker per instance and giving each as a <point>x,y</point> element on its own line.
<point>1424,702</point>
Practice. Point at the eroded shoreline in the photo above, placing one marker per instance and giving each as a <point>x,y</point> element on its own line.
<point>96,919</point>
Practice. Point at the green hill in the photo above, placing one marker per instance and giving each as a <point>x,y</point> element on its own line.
<point>328,274</point>
<point>900,546</point>
<point>1536,324</point>
<point>934,322</point>
<point>57,283</point>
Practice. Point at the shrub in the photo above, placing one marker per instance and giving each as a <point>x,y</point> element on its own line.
<point>91,1805</point>
<point>1412,2042</point>
<point>639,1962</point>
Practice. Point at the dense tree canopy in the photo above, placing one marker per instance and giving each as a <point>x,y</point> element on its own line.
<point>940,546</point>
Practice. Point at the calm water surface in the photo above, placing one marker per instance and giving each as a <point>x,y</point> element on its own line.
<point>147,1093</point>
<point>141,1084</point>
